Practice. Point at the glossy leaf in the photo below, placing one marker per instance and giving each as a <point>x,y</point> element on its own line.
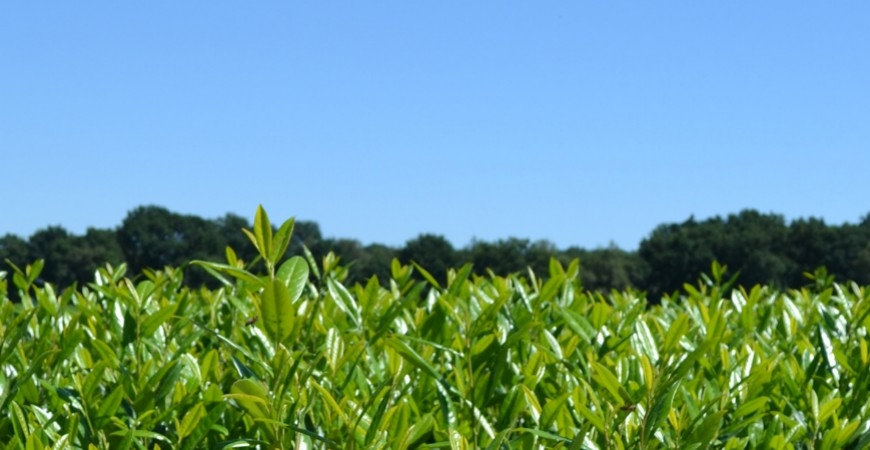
<point>277,313</point>
<point>294,273</point>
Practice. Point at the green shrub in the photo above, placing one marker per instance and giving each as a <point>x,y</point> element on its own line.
<point>294,358</point>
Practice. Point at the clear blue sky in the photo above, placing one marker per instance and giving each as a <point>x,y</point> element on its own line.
<point>578,122</point>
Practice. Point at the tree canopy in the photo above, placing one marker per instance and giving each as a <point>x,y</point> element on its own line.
<point>762,248</point>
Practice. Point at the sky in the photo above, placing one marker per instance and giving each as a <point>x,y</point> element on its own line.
<point>583,123</point>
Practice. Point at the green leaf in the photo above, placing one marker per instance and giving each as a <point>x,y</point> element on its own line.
<point>282,240</point>
<point>19,422</point>
<point>232,258</point>
<point>708,430</point>
<point>312,263</point>
<point>648,374</point>
<point>550,289</point>
<point>553,407</point>
<point>294,273</point>
<point>678,328</point>
<point>34,270</point>
<point>751,406</point>
<point>47,300</point>
<point>376,418</point>
<point>330,444</point>
<point>510,409</point>
<point>252,397</point>
<point>457,441</point>
<point>93,381</point>
<point>533,406</point>
<point>545,434</point>
<point>645,338</point>
<point>277,314</point>
<point>416,431</point>
<point>243,370</point>
<point>606,379</point>
<point>233,271</point>
<point>410,355</point>
<point>153,321</point>
<point>204,425</point>
<point>144,434</point>
<point>498,441</point>
<point>109,406</point>
<point>457,281</point>
<point>428,276</point>
<point>827,349</point>
<point>234,346</point>
<point>596,418</point>
<point>261,236</point>
<point>240,443</point>
<point>334,348</point>
<point>578,324</point>
<point>329,400</point>
<point>846,432</point>
<point>191,419</point>
<point>660,409</point>
<point>170,375</point>
<point>573,269</point>
<point>829,408</point>
<point>344,301</point>
<point>556,269</point>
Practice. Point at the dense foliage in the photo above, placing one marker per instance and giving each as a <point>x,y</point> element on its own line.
<point>763,248</point>
<point>285,355</point>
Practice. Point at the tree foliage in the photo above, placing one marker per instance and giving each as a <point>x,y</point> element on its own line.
<point>432,251</point>
<point>762,248</point>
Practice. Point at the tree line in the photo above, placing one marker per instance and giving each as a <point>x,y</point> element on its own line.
<point>764,248</point>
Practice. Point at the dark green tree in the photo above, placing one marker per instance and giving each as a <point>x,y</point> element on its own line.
<point>230,227</point>
<point>809,244</point>
<point>755,244</point>
<point>154,237</point>
<point>375,261</point>
<point>15,249</point>
<point>537,256</point>
<point>93,250</point>
<point>68,258</point>
<point>151,236</point>
<point>350,251</point>
<point>512,255</point>
<point>305,233</point>
<point>861,265</point>
<point>678,253</point>
<point>432,252</point>
<point>55,245</point>
<point>609,268</point>
<point>848,257</point>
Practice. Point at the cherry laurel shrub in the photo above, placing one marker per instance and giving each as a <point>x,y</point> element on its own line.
<point>288,356</point>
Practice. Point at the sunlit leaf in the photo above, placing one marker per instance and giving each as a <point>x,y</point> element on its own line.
<point>281,240</point>
<point>277,313</point>
<point>294,273</point>
<point>252,397</point>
